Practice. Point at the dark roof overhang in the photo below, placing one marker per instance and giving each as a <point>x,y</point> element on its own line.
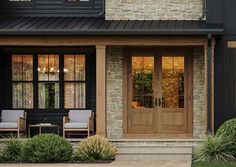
<point>100,26</point>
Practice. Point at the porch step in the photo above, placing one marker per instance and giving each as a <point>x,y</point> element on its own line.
<point>148,152</point>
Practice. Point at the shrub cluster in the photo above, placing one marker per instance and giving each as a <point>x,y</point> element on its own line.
<point>52,148</point>
<point>222,146</point>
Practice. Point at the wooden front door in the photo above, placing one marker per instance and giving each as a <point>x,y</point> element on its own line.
<point>159,92</point>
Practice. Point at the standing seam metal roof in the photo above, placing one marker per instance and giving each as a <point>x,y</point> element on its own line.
<point>100,26</point>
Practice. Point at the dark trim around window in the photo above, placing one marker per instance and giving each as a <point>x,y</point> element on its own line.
<point>22,4</point>
<point>88,52</point>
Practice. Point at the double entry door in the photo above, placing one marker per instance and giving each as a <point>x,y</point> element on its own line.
<point>159,92</point>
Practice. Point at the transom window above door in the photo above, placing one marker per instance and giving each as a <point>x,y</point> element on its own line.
<point>49,81</point>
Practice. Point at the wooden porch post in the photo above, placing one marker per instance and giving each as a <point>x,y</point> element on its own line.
<point>101,90</point>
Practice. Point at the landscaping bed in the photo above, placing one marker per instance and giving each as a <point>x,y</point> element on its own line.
<point>214,164</point>
<point>50,148</point>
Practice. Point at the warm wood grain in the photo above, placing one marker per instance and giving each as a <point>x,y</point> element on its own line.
<point>101,90</point>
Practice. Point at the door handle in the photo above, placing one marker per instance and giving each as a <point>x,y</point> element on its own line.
<point>155,101</point>
<point>159,101</point>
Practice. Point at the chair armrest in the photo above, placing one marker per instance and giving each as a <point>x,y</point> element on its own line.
<point>66,120</point>
<point>22,123</point>
<point>91,123</point>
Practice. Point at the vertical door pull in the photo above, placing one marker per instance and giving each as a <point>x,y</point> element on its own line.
<point>155,101</point>
<point>159,101</point>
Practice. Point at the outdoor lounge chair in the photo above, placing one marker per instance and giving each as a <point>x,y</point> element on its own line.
<point>78,121</point>
<point>13,121</point>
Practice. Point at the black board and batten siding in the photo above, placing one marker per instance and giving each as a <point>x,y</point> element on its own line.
<point>92,8</point>
<point>223,11</point>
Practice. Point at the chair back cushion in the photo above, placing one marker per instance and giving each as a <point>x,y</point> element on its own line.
<point>79,116</point>
<point>11,115</point>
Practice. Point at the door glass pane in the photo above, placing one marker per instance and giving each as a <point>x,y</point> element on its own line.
<point>48,67</point>
<point>48,95</point>
<point>142,76</point>
<point>75,95</point>
<point>173,82</point>
<point>22,95</point>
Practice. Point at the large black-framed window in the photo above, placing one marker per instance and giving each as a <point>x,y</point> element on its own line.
<point>22,81</point>
<point>58,81</point>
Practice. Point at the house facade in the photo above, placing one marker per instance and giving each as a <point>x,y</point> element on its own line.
<point>148,70</point>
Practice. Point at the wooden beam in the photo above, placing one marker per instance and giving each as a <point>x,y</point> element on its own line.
<point>101,90</point>
<point>213,85</point>
<point>100,40</point>
<point>205,87</point>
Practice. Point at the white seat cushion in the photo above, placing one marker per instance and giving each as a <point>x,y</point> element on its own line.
<point>79,116</point>
<point>11,115</point>
<point>76,126</point>
<point>6,125</point>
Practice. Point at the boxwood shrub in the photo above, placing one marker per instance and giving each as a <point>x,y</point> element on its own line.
<point>227,131</point>
<point>47,148</point>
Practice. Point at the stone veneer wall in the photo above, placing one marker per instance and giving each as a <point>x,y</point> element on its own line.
<point>153,9</point>
<point>115,94</point>
<point>198,92</point>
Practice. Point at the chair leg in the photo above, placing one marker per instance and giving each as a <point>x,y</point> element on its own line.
<point>18,134</point>
<point>64,135</point>
<point>88,132</point>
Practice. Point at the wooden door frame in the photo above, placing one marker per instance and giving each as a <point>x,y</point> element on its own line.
<point>154,51</point>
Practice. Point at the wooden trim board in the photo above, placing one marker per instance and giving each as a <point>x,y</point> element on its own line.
<point>100,40</point>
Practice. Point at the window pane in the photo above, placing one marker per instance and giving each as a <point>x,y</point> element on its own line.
<point>69,67</point>
<point>142,74</point>
<point>74,67</point>
<point>75,95</point>
<point>48,67</point>
<point>173,82</point>
<point>80,67</point>
<point>28,68</point>
<point>53,68</point>
<point>22,95</point>
<point>22,67</point>
<point>48,95</point>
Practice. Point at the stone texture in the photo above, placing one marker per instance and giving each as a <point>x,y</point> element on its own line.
<point>153,9</point>
<point>198,93</point>
<point>115,85</point>
<point>114,92</point>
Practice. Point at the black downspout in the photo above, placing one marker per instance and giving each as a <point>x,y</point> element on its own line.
<point>209,93</point>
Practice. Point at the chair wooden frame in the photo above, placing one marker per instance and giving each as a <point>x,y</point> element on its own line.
<point>21,126</point>
<point>90,128</point>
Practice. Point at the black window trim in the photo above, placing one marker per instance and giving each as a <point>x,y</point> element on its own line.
<point>61,78</point>
<point>22,4</point>
<point>78,3</point>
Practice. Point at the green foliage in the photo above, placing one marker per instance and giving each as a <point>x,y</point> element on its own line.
<point>12,151</point>
<point>214,149</point>
<point>94,148</point>
<point>47,148</point>
<point>227,131</point>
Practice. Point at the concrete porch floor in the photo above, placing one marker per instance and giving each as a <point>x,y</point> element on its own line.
<point>113,164</point>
